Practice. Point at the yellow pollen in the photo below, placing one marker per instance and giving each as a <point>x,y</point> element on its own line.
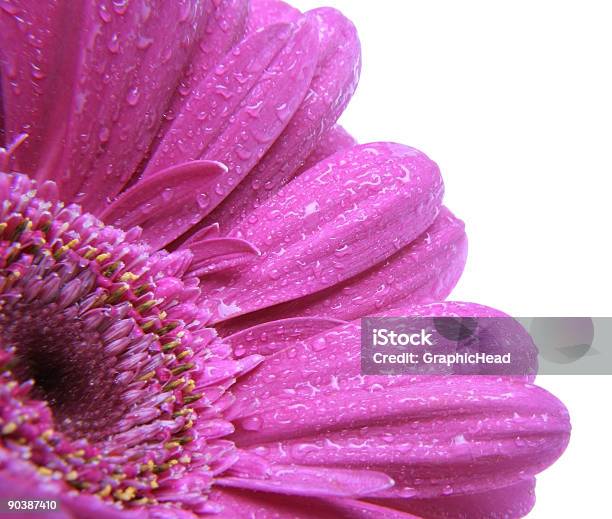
<point>192,398</point>
<point>145,307</point>
<point>125,495</point>
<point>184,354</point>
<point>112,268</point>
<point>174,384</point>
<point>182,368</point>
<point>91,252</point>
<point>149,465</point>
<point>147,376</point>
<point>105,492</point>
<point>9,428</point>
<point>170,345</point>
<point>65,248</point>
<point>128,277</point>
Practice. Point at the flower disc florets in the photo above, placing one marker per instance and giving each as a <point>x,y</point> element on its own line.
<point>110,382</point>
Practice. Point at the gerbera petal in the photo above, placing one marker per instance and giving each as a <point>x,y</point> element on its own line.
<point>265,505</point>
<point>332,141</point>
<point>225,26</point>
<point>510,502</point>
<point>255,473</point>
<point>168,203</point>
<point>258,85</point>
<point>425,270</point>
<point>434,435</point>
<point>269,337</point>
<point>34,74</point>
<point>338,219</point>
<point>267,12</point>
<point>115,66</point>
<point>216,254</point>
<point>332,86</point>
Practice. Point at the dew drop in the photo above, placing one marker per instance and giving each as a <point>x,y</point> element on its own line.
<point>37,73</point>
<point>202,200</point>
<point>113,44</point>
<point>143,42</point>
<point>243,153</point>
<point>104,134</point>
<point>252,423</point>
<point>283,112</point>
<point>120,6</point>
<point>133,96</point>
<point>319,344</point>
<point>167,194</point>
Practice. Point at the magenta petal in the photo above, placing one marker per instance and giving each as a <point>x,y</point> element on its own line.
<point>439,437</point>
<point>225,25</point>
<point>216,254</point>
<point>338,219</point>
<point>269,337</point>
<point>332,141</point>
<point>258,85</point>
<point>332,86</point>
<point>116,68</point>
<point>257,474</point>
<point>509,502</point>
<point>168,203</point>
<point>265,505</point>
<point>34,74</point>
<point>434,435</point>
<point>206,233</point>
<point>263,13</point>
<point>425,270</point>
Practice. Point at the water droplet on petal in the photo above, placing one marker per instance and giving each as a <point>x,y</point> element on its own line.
<point>167,194</point>
<point>143,42</point>
<point>133,96</point>
<point>104,134</point>
<point>120,6</point>
<point>319,344</point>
<point>202,200</point>
<point>252,423</point>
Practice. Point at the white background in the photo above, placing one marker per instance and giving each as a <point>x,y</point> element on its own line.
<point>513,100</point>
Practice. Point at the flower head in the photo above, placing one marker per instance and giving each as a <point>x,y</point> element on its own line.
<point>187,240</point>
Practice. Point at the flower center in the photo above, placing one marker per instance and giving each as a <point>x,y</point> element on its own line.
<point>68,366</point>
<point>110,381</point>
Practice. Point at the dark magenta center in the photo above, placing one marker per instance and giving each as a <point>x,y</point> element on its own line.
<point>68,366</point>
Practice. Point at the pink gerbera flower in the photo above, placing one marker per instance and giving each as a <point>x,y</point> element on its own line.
<point>187,242</point>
